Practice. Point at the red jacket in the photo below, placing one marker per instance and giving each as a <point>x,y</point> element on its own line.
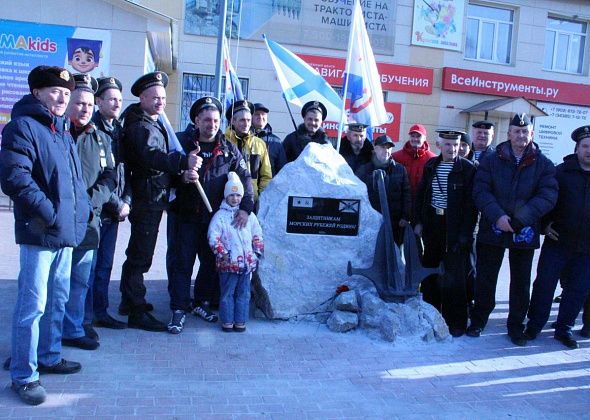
<point>413,161</point>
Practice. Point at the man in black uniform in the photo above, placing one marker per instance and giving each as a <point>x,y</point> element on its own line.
<point>355,148</point>
<point>313,113</point>
<point>482,138</point>
<point>189,218</point>
<point>445,218</point>
<point>151,166</point>
<point>262,129</point>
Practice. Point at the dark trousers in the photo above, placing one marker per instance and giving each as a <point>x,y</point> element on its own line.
<point>187,239</point>
<point>489,261</point>
<point>145,223</point>
<point>447,292</point>
<point>575,294</point>
<point>97,299</point>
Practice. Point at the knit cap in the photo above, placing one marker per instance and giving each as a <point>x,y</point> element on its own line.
<point>233,185</point>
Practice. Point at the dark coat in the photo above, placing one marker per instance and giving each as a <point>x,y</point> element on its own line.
<point>461,214</point>
<point>276,151</point>
<point>100,176</point>
<point>353,160</point>
<point>571,215</point>
<point>295,142</point>
<point>397,186</point>
<point>41,173</point>
<point>213,176</point>
<point>149,161</point>
<point>122,192</point>
<point>525,192</point>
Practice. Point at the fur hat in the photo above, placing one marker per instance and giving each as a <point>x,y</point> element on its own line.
<point>233,185</point>
<point>49,76</point>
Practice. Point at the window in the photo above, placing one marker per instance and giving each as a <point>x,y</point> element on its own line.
<point>565,41</point>
<point>489,33</point>
<point>195,86</point>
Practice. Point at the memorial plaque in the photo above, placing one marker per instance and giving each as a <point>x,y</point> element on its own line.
<point>323,216</point>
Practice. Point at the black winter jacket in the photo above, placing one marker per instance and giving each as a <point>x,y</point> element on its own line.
<point>525,192</point>
<point>99,173</point>
<point>41,173</point>
<point>460,214</point>
<point>295,142</point>
<point>213,176</point>
<point>571,215</point>
<point>148,159</point>
<point>276,151</point>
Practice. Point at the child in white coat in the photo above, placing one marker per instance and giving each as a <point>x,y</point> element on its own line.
<point>237,252</point>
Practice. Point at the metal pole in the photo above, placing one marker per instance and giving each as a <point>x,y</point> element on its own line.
<point>290,113</point>
<point>220,35</point>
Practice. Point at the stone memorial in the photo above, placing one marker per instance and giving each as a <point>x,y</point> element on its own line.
<point>316,216</point>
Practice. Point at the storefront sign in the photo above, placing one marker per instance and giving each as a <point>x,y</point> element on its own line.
<point>553,133</point>
<point>323,216</point>
<point>438,24</point>
<point>24,46</point>
<point>391,128</point>
<point>394,77</point>
<point>514,86</point>
<point>317,23</point>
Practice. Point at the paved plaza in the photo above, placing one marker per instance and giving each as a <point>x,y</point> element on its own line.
<point>297,370</point>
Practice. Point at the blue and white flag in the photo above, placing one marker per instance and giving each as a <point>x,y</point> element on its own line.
<point>364,83</point>
<point>301,83</point>
<point>233,87</point>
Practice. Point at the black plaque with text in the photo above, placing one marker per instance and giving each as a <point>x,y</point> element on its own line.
<point>323,216</point>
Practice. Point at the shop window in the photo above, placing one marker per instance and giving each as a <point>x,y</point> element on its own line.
<point>489,33</point>
<point>195,86</point>
<point>565,42</point>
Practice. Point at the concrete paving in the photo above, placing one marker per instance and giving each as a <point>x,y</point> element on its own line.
<point>297,370</point>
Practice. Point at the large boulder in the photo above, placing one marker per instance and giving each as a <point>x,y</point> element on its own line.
<point>299,273</point>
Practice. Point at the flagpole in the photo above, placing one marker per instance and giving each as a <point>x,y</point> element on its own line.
<point>348,56</point>
<point>290,113</point>
<point>220,36</point>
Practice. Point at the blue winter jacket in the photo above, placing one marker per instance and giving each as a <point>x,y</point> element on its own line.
<point>40,171</point>
<point>525,192</point>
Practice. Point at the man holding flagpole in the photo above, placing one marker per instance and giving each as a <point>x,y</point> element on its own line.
<point>313,113</point>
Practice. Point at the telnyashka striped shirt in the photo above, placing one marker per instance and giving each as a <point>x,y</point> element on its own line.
<point>439,184</point>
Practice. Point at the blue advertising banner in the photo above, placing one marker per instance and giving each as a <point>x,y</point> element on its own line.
<point>25,45</point>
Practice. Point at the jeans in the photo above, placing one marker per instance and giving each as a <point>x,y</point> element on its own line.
<point>489,261</point>
<point>234,304</point>
<point>97,299</point>
<point>43,286</point>
<point>74,316</point>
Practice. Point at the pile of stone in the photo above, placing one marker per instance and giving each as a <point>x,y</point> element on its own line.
<point>361,307</point>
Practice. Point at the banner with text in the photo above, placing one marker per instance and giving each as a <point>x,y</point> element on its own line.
<point>317,23</point>
<point>438,24</point>
<point>394,77</point>
<point>24,46</point>
<point>553,133</point>
<point>460,80</point>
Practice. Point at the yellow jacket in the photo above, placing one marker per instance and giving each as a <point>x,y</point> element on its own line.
<point>256,157</point>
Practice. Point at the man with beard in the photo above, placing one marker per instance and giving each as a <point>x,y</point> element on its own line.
<point>188,219</point>
<point>313,113</point>
<point>355,148</point>
<point>152,166</point>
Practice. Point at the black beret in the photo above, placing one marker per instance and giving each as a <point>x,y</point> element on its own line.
<point>383,140</point>
<point>86,83</point>
<point>358,127</point>
<point>260,107</point>
<point>450,134</point>
<point>157,78</point>
<point>581,133</point>
<point>520,120</point>
<point>314,105</point>
<point>483,124</point>
<point>238,106</point>
<point>466,138</point>
<point>49,76</point>
<point>106,83</point>
<point>206,102</point>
